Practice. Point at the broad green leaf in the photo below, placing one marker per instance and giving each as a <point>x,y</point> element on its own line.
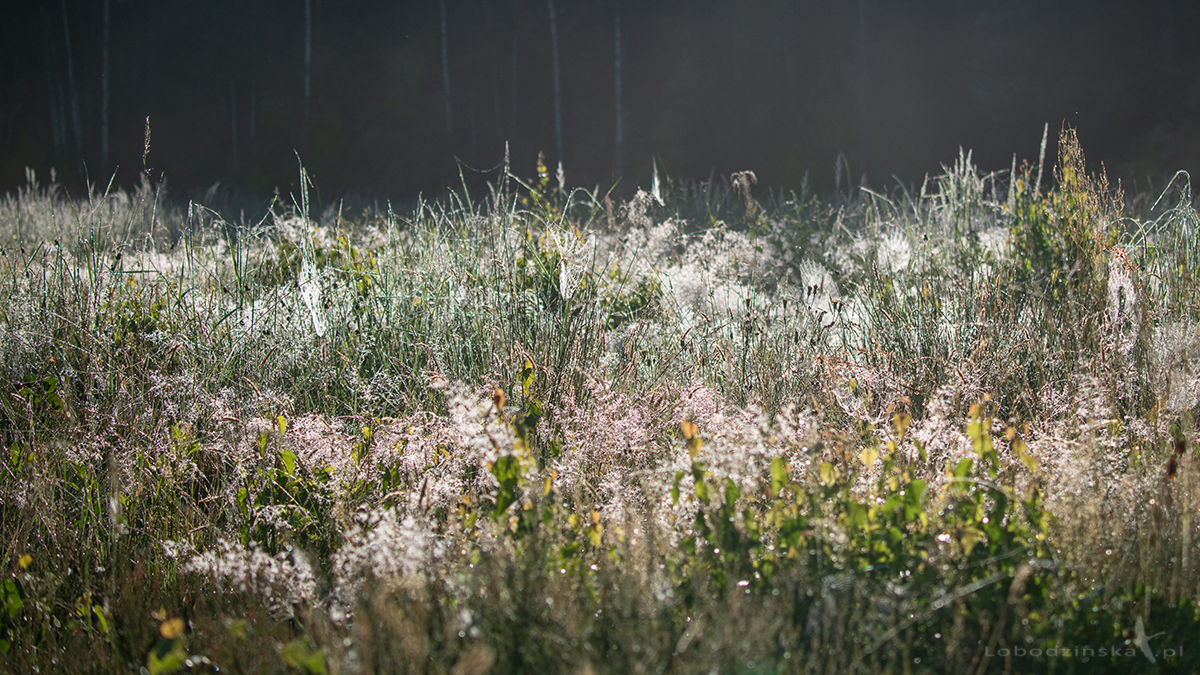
<point>964,468</point>
<point>527,376</point>
<point>779,474</point>
<point>299,655</point>
<point>289,461</point>
<point>167,657</point>
<point>507,471</point>
<point>731,492</point>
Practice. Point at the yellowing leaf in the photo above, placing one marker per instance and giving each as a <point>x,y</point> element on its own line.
<point>827,473</point>
<point>596,535</point>
<point>171,628</point>
<point>901,422</point>
<point>1022,452</point>
<point>970,537</point>
<point>25,561</point>
<point>527,375</point>
<point>100,618</point>
<point>869,457</point>
<point>691,433</point>
<point>688,428</point>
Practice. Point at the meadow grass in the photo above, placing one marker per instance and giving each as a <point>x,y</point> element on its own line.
<point>535,430</point>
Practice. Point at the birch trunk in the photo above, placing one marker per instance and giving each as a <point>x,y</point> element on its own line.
<point>446,72</point>
<point>104,87</point>
<point>307,73</point>
<point>233,130</point>
<point>558,137</point>
<point>72,92</point>
<point>619,154</point>
<point>861,88</point>
<point>513,82</point>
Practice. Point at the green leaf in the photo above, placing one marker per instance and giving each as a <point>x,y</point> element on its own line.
<point>289,461</point>
<point>779,474</point>
<point>167,657</point>
<point>527,376</point>
<point>11,597</point>
<point>856,514</point>
<point>963,469</point>
<point>731,493</point>
<point>675,488</point>
<point>507,471</point>
<point>912,500</point>
<point>828,474</point>
<point>701,487</point>
<point>299,655</point>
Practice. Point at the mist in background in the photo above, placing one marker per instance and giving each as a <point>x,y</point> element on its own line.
<point>389,99</point>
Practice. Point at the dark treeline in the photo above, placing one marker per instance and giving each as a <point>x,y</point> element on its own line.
<point>379,97</point>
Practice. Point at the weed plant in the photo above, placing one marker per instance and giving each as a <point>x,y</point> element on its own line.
<point>945,430</point>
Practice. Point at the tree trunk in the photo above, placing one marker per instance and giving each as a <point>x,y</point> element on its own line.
<point>495,70</point>
<point>58,141</point>
<point>104,87</point>
<point>861,88</point>
<point>307,74</point>
<point>471,125</point>
<point>513,82</point>
<point>233,132</point>
<point>446,72</point>
<point>558,137</point>
<point>76,122</point>
<point>253,72</point>
<point>619,154</point>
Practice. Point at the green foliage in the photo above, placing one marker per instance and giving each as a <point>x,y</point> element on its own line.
<point>578,530</point>
<point>284,486</point>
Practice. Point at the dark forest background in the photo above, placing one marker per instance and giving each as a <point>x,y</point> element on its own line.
<point>777,87</point>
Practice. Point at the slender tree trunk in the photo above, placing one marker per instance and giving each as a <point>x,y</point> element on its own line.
<point>76,122</point>
<point>446,72</point>
<point>471,125</point>
<point>233,131</point>
<point>789,23</point>
<point>495,71</point>
<point>58,116</point>
<point>104,88</point>
<point>1170,80</point>
<point>619,154</point>
<point>57,139</point>
<point>861,88</point>
<point>515,43</point>
<point>253,72</point>
<point>307,74</point>
<point>558,137</point>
